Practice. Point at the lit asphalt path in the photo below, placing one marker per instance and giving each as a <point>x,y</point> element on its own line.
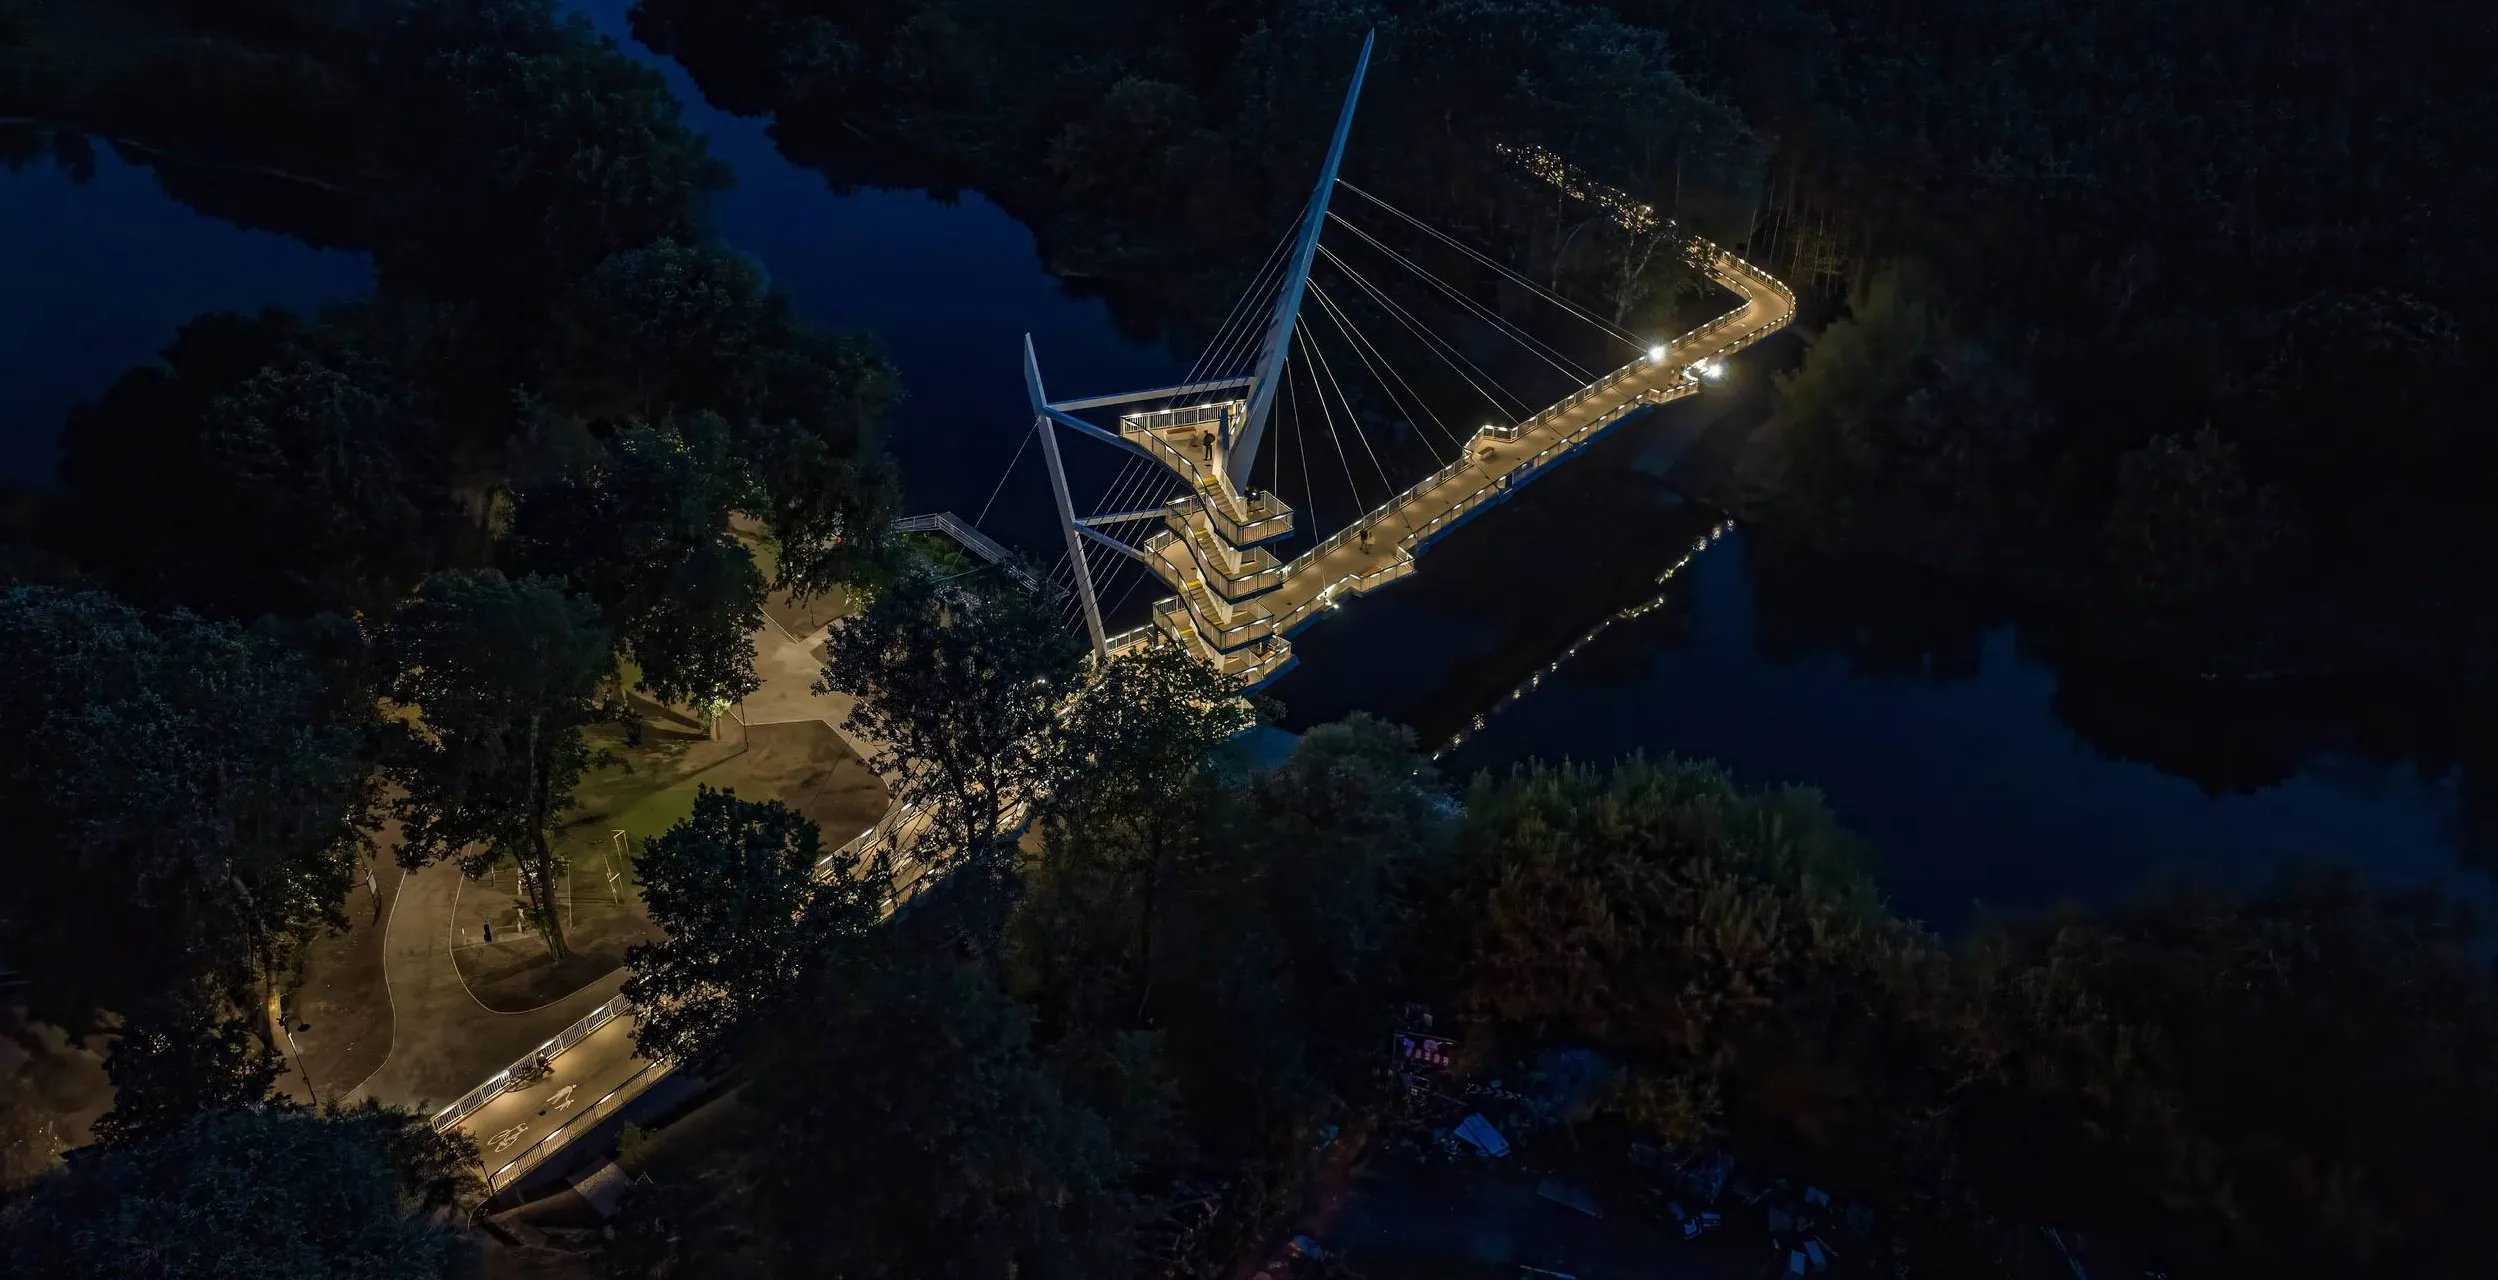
<point>517,1120</point>
<point>511,1134</point>
<point>444,1041</point>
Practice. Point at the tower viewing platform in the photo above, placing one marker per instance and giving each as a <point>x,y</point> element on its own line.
<point>1234,602</point>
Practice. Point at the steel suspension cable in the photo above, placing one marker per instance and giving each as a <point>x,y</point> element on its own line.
<point>1535,346</point>
<point>1359,341</point>
<point>1223,351</point>
<point>1301,440</point>
<point>1329,417</point>
<point>1029,432</point>
<point>1309,477</point>
<point>1439,346</point>
<point>1238,304</point>
<point>1352,419</point>
<point>1604,326</point>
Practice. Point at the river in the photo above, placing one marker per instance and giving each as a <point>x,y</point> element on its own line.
<point>1933,731</point>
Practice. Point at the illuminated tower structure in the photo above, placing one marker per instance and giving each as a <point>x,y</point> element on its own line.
<point>1212,546</point>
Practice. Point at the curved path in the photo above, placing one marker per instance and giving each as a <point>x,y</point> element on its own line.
<point>1379,547</point>
<point>449,1044</point>
<point>445,1041</point>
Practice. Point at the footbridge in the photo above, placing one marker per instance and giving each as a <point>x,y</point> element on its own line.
<point>1213,544</point>
<point>1197,509</point>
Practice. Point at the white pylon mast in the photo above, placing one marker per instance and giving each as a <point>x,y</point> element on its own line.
<point>1244,445</point>
<point>1048,427</point>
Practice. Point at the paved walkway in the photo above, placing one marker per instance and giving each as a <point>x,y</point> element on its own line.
<point>444,1042</point>
<point>523,1125</point>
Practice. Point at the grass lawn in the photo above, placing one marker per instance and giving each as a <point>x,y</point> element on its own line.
<point>804,765</point>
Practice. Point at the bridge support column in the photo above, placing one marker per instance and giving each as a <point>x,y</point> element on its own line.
<point>1066,505</point>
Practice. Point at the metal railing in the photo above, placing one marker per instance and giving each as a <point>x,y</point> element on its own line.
<point>553,1048</point>
<point>981,545</point>
<point>1721,264</point>
<point>1198,606</point>
<point>608,1104</point>
<point>1267,518</point>
<point>1184,564</point>
<point>1191,416</point>
<point>894,830</point>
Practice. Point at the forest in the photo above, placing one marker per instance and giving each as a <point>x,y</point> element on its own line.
<point>2152,320</point>
<point>1178,991</point>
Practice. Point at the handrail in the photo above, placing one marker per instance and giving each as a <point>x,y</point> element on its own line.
<point>893,831</point>
<point>1721,264</point>
<point>979,544</point>
<point>883,831</point>
<point>608,1104</point>
<point>553,1048</point>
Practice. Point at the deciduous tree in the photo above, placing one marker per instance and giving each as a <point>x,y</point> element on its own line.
<point>182,802</point>
<point>1137,782</point>
<point>181,1054</point>
<point>267,1193</point>
<point>499,677</point>
<point>943,1150</point>
<point>643,532</point>
<point>1283,948</point>
<point>749,905</point>
<point>963,688</point>
<point>674,328</point>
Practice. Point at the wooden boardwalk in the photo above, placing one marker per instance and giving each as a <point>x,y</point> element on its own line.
<point>1498,460</point>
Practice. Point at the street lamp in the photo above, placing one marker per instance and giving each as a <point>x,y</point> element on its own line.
<point>1656,354</point>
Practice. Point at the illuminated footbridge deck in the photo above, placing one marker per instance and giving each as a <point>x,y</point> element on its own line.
<point>1216,547</point>
<point>1379,548</point>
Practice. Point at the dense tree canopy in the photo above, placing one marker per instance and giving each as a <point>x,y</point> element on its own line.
<point>256,1194</point>
<point>2105,299</point>
<point>675,328</point>
<point>2234,1083</point>
<point>179,1055</point>
<point>2298,1075</point>
<point>1224,949</point>
<point>946,1149</point>
<point>507,106</point>
<point>642,531</point>
<point>535,208</point>
<point>2118,235</point>
<point>1111,134</point>
<point>748,913</point>
<point>961,686</point>
<point>1136,787</point>
<point>496,678</point>
<point>182,800</point>
<point>1726,944</point>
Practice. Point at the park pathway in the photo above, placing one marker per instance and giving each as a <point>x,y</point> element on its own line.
<point>444,1041</point>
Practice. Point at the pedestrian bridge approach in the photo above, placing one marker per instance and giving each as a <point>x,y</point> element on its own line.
<point>1233,601</point>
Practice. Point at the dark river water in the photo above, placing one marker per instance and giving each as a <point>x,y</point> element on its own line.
<point>1949,746</point>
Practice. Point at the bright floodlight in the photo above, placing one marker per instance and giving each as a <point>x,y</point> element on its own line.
<point>1656,354</point>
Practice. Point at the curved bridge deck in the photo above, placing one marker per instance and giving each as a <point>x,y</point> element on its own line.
<point>1498,460</point>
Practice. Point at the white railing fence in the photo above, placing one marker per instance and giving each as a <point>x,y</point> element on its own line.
<point>553,1047</point>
